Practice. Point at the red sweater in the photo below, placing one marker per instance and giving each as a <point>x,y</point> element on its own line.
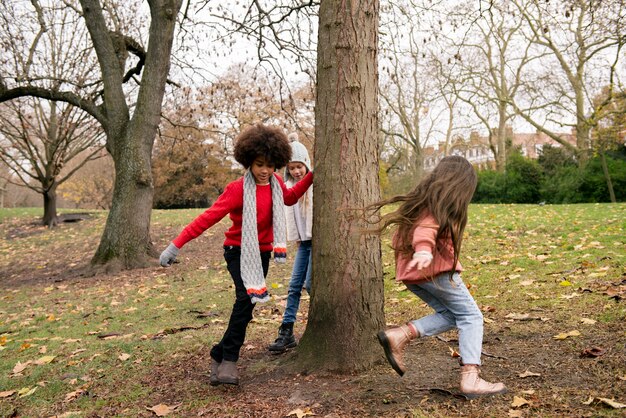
<point>231,202</point>
<point>424,237</point>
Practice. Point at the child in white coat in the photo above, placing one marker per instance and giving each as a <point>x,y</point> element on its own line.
<point>299,227</point>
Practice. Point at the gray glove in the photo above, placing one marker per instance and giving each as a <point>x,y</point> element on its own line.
<point>168,256</point>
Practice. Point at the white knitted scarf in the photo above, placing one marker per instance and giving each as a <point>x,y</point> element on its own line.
<point>251,267</point>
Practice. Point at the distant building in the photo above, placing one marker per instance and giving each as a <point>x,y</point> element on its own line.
<point>476,149</point>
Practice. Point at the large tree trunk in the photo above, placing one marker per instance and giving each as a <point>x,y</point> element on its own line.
<point>50,208</point>
<point>126,241</point>
<point>347,298</point>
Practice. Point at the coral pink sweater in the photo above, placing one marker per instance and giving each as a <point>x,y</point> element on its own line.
<point>424,237</point>
<point>231,202</point>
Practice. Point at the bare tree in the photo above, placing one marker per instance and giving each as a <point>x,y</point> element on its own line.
<point>408,86</point>
<point>129,134</point>
<point>584,40</point>
<point>489,58</point>
<point>38,139</point>
<point>347,299</point>
<point>44,144</point>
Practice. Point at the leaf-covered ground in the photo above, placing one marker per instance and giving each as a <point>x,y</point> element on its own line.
<point>551,281</point>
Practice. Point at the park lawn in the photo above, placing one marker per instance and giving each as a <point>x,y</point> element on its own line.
<point>551,281</point>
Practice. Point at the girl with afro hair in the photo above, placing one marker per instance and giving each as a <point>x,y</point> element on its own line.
<point>255,204</point>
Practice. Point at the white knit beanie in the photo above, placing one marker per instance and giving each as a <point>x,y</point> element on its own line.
<point>299,152</point>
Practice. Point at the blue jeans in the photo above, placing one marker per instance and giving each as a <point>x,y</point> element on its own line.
<point>454,308</point>
<point>300,276</point>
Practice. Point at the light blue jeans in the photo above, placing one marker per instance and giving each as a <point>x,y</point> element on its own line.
<point>454,308</point>
<point>300,276</point>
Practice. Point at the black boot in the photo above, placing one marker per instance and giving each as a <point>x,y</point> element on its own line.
<point>285,339</point>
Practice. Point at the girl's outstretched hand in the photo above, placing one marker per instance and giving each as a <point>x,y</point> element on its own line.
<point>168,256</point>
<point>420,260</point>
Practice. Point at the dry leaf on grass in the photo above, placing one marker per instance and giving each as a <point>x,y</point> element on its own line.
<point>565,335</point>
<point>518,402</point>
<point>162,410</point>
<point>19,367</point>
<point>74,395</point>
<point>69,414</point>
<point>515,414</point>
<point>587,321</point>
<point>610,402</point>
<point>22,393</point>
<point>593,352</point>
<point>124,356</point>
<point>7,394</point>
<point>299,413</point>
<point>453,352</point>
<point>44,360</point>
<point>528,373</point>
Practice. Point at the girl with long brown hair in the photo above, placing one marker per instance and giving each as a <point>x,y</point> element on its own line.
<point>430,222</point>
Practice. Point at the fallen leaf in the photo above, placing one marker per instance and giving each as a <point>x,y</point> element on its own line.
<point>22,393</point>
<point>528,373</point>
<point>299,413</point>
<point>74,395</point>
<point>68,414</point>
<point>124,356</point>
<point>43,349</point>
<point>453,352</point>
<point>19,367</point>
<point>565,335</point>
<point>518,402</point>
<point>24,346</point>
<point>80,350</point>
<point>515,414</point>
<point>7,393</point>
<point>162,410</point>
<point>565,283</point>
<point>528,392</point>
<point>593,352</point>
<point>587,321</point>
<point>589,401</point>
<point>518,317</point>
<point>612,403</point>
<point>44,360</point>
<point>526,282</point>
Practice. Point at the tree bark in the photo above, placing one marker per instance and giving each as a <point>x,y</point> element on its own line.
<point>50,207</point>
<point>347,297</point>
<point>126,240</point>
<point>607,176</point>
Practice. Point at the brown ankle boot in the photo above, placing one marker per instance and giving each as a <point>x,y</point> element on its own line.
<point>393,341</point>
<point>213,380</point>
<point>227,373</point>
<point>472,386</point>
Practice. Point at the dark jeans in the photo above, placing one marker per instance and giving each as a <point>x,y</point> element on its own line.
<point>235,334</point>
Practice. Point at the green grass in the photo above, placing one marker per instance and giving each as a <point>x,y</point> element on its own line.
<point>517,259</point>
